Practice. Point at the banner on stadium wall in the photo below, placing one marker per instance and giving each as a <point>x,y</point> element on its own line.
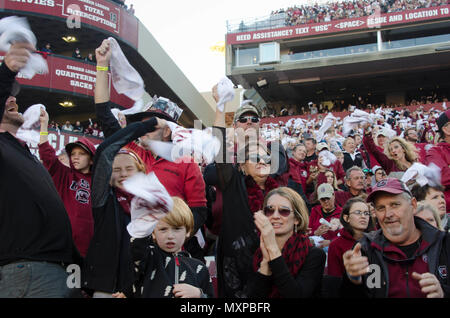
<point>368,22</point>
<point>102,14</point>
<point>70,75</point>
<point>58,140</point>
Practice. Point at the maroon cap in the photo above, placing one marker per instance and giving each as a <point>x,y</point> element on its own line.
<point>389,185</point>
<point>83,143</point>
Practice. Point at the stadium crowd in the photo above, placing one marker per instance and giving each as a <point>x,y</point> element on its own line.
<point>299,209</point>
<point>316,13</point>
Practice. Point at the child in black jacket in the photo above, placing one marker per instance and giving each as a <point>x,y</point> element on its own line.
<point>161,269</point>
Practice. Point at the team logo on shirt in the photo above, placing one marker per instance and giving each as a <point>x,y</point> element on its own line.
<point>442,271</point>
<point>81,188</point>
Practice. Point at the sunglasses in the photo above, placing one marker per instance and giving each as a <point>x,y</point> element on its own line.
<point>245,119</point>
<point>256,158</point>
<point>367,171</point>
<point>270,210</point>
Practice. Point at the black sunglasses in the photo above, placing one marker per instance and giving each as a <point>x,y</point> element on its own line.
<point>256,158</point>
<point>270,210</point>
<point>245,119</point>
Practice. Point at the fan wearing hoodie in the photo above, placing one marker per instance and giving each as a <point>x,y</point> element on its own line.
<point>73,183</point>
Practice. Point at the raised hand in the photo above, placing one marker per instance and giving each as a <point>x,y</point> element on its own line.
<point>18,55</point>
<point>103,53</point>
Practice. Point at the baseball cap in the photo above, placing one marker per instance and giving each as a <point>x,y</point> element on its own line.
<point>381,132</point>
<point>325,190</point>
<point>443,119</point>
<point>245,109</point>
<point>321,146</point>
<point>389,185</point>
<point>83,143</point>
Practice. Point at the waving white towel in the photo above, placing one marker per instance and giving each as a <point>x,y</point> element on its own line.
<point>125,78</point>
<point>328,158</point>
<point>225,90</point>
<point>326,124</point>
<point>15,29</point>
<point>28,131</point>
<point>423,175</point>
<point>196,144</point>
<point>151,203</point>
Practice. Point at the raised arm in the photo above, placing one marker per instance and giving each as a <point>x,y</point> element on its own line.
<point>46,152</point>
<point>102,168</point>
<point>101,94</point>
<point>15,59</point>
<point>382,159</point>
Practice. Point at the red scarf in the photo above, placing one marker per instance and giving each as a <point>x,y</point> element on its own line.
<point>255,194</point>
<point>124,199</point>
<point>294,253</point>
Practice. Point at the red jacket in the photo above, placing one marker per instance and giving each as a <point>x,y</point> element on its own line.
<point>337,248</point>
<point>75,190</point>
<point>298,172</point>
<point>317,214</point>
<point>440,156</point>
<point>182,179</point>
<point>387,164</point>
<point>336,167</point>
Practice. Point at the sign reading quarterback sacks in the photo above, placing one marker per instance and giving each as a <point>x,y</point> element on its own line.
<point>102,14</point>
<point>368,22</point>
<point>70,75</point>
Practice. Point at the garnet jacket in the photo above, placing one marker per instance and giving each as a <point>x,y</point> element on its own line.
<point>156,271</point>
<point>387,164</point>
<point>432,256</point>
<point>317,214</point>
<point>440,156</point>
<point>75,190</point>
<point>337,248</point>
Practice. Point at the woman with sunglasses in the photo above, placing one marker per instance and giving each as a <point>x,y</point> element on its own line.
<point>285,265</point>
<point>356,220</point>
<point>243,186</point>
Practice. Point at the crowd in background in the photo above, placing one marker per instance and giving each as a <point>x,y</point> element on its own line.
<point>305,14</point>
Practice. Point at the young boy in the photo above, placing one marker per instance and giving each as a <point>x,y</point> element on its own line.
<point>161,268</point>
<point>73,183</point>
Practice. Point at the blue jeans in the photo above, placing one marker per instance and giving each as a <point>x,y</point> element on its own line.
<point>27,279</point>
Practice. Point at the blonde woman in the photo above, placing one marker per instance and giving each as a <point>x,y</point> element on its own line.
<point>398,154</point>
<point>286,265</point>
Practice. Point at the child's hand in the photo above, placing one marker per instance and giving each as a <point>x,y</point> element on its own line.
<point>186,291</point>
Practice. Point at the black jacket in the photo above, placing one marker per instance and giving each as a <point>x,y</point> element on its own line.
<point>349,162</point>
<point>437,255</point>
<point>108,265</point>
<point>34,224</point>
<point>156,271</point>
<point>306,284</point>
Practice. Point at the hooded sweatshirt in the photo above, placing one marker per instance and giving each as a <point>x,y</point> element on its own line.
<point>74,188</point>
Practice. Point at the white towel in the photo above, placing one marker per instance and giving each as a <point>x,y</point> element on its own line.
<point>328,158</point>
<point>15,29</point>
<point>28,131</point>
<point>151,203</point>
<point>423,175</point>
<point>225,90</point>
<point>199,145</point>
<point>125,79</point>
<point>326,124</point>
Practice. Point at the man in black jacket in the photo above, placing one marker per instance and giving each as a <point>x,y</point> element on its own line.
<point>35,232</point>
<point>406,258</point>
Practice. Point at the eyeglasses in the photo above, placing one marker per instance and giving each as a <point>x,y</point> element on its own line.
<point>256,158</point>
<point>245,119</point>
<point>270,210</point>
<point>359,213</point>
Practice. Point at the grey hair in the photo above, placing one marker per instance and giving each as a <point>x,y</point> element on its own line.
<point>349,171</point>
